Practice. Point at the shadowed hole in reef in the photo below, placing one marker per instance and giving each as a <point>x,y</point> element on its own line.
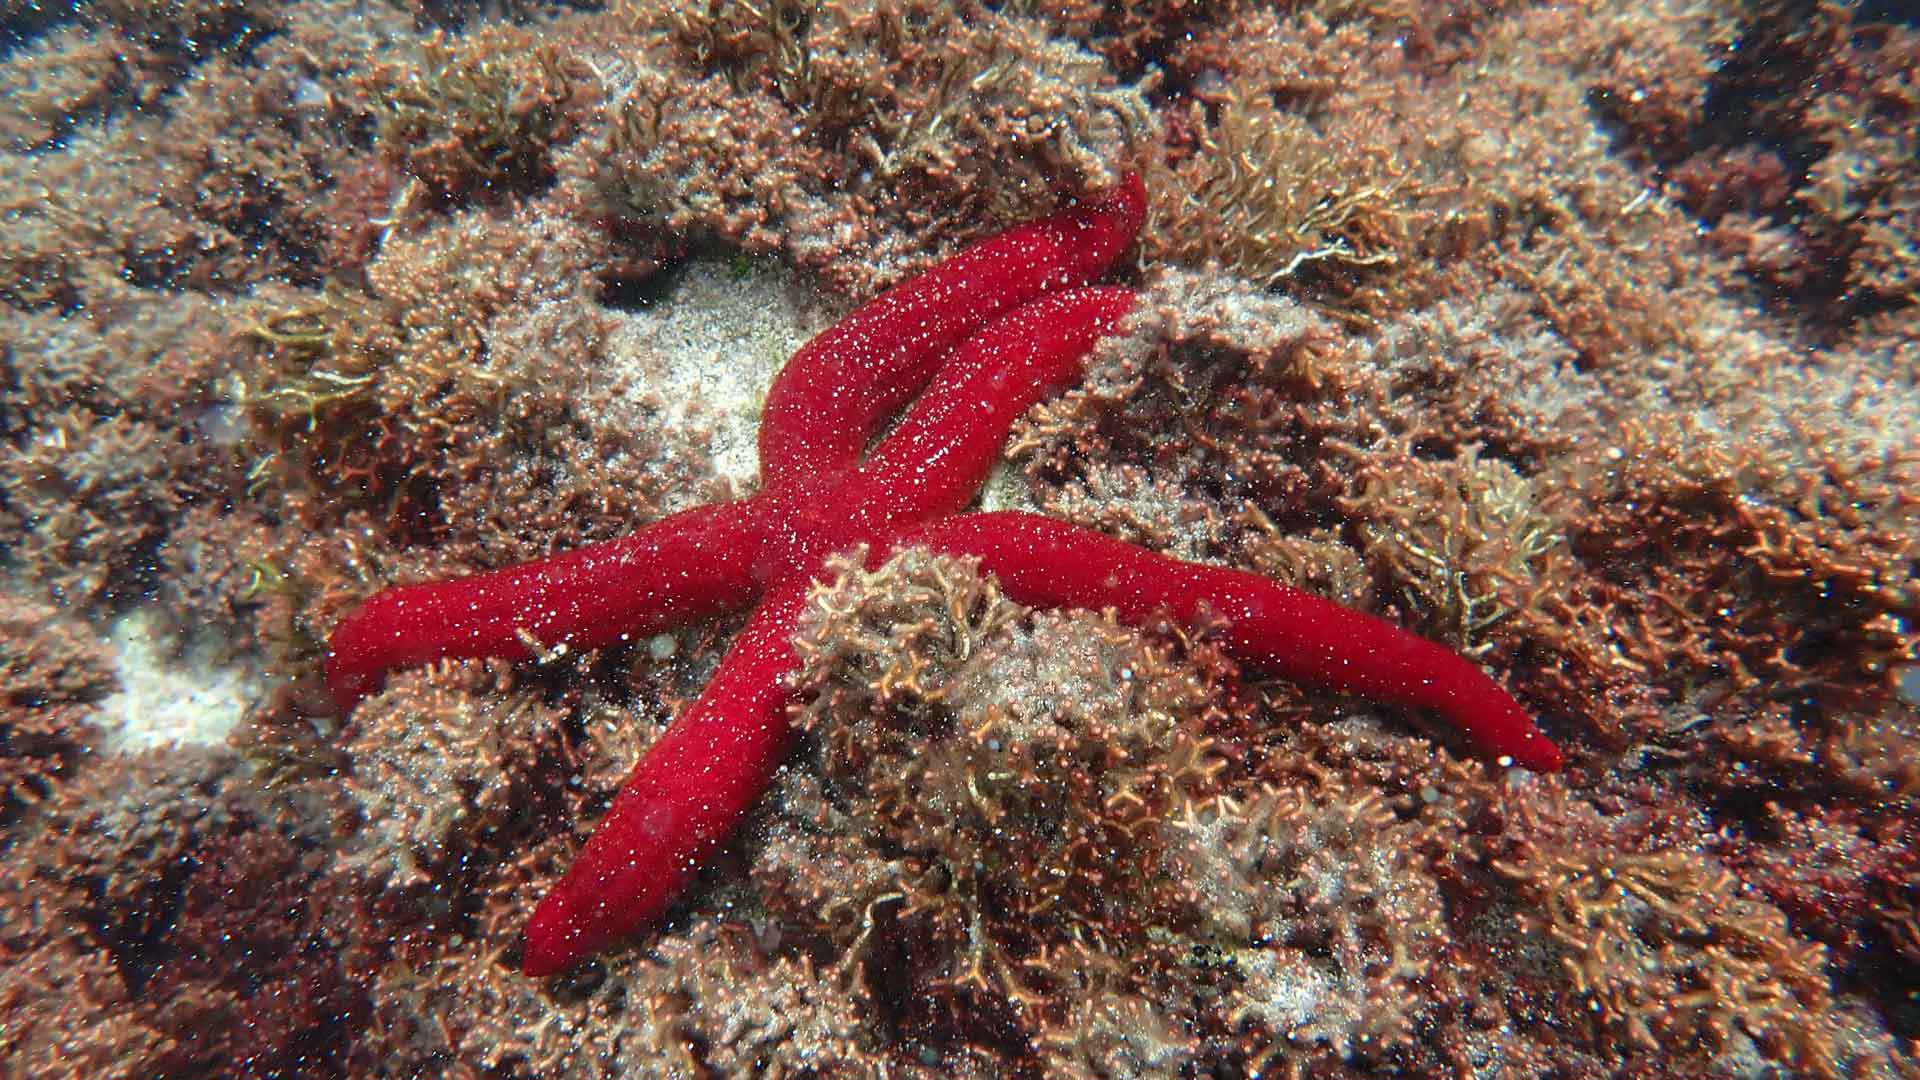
<point>1891,979</point>
<point>639,290</point>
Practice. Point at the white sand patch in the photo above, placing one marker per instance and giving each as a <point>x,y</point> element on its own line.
<point>703,359</point>
<point>168,698</point>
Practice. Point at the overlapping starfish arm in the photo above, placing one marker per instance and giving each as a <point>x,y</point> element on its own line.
<point>935,459</point>
<point>834,394</point>
<point>1041,562</point>
<point>681,569</point>
<point>685,797</point>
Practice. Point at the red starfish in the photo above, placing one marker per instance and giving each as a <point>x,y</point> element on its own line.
<point>986,334</point>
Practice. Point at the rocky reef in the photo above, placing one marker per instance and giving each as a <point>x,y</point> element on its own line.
<point>1581,338</point>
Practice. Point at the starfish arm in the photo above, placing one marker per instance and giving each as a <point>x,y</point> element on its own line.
<point>834,393</point>
<point>1046,563</point>
<point>934,461</point>
<point>688,793</point>
<point>680,569</point>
